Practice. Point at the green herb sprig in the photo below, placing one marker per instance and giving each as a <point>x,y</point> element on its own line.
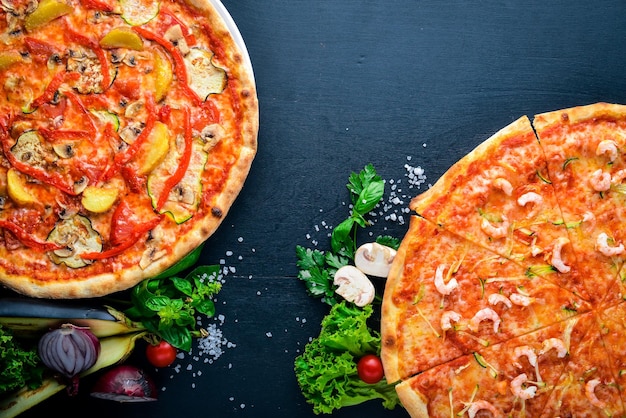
<point>317,268</point>
<point>167,306</point>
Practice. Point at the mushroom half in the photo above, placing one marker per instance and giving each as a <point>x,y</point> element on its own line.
<point>374,259</point>
<point>354,286</point>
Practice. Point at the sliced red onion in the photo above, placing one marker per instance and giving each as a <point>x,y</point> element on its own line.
<point>125,383</point>
<point>69,349</point>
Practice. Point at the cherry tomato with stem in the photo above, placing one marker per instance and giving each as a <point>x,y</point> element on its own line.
<point>370,368</point>
<point>161,354</point>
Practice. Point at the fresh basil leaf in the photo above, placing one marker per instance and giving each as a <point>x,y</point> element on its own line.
<point>206,307</point>
<point>156,303</point>
<point>369,197</point>
<point>178,337</point>
<point>182,285</point>
<point>341,234</point>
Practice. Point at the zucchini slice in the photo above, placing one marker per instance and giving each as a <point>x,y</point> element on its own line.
<point>29,149</point>
<point>77,236</point>
<point>139,12</point>
<point>106,116</point>
<point>204,77</point>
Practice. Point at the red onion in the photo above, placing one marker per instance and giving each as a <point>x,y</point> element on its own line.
<point>69,349</point>
<point>125,383</point>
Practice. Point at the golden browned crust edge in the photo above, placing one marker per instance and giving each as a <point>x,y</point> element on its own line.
<point>104,284</point>
<point>519,126</point>
<point>578,114</point>
<point>414,402</point>
<point>389,313</point>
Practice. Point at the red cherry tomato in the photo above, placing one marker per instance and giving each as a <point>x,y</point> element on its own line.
<point>370,368</point>
<point>161,355</point>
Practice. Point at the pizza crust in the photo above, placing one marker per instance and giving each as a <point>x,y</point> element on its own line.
<point>415,403</point>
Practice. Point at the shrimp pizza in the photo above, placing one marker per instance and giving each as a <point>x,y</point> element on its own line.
<point>506,297</point>
<point>127,129</point>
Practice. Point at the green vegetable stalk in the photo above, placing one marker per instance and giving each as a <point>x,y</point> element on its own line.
<point>327,369</point>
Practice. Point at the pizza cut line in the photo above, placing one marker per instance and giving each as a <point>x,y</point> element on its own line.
<point>127,129</point>
<point>507,294</point>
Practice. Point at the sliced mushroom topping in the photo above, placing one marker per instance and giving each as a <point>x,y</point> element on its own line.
<point>81,184</point>
<point>131,59</point>
<point>65,150</point>
<point>117,56</point>
<point>131,131</point>
<point>134,108</point>
<point>354,286</point>
<point>374,259</point>
<point>176,36</point>
<point>211,135</point>
<point>54,61</point>
<point>19,9</point>
<point>149,256</point>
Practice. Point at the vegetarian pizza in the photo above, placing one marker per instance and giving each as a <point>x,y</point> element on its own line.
<point>506,297</point>
<point>127,129</point>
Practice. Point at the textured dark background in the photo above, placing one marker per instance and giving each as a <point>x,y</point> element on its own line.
<point>342,84</point>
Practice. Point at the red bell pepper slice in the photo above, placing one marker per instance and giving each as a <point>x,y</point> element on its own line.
<point>124,232</point>
<point>98,5</point>
<point>83,109</point>
<point>53,86</point>
<point>27,239</point>
<point>56,134</point>
<point>179,63</point>
<point>48,177</point>
<point>39,49</point>
<point>135,182</point>
<point>183,165</point>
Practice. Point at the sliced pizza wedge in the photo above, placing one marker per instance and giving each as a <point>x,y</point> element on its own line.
<point>584,148</point>
<point>447,296</point>
<point>514,378</point>
<point>612,324</point>
<point>588,386</point>
<point>500,196</point>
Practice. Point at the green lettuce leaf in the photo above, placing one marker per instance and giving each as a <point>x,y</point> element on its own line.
<point>327,369</point>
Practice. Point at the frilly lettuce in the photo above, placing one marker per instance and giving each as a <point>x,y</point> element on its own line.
<point>327,369</point>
